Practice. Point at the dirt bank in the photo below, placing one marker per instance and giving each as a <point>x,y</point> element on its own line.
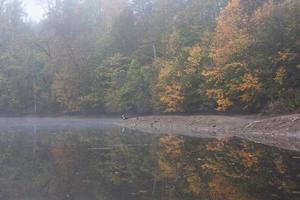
<point>281,131</point>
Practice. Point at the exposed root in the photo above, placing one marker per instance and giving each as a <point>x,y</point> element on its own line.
<point>295,119</point>
<point>251,124</point>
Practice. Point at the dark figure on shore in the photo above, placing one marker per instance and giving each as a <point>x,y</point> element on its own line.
<point>124,117</point>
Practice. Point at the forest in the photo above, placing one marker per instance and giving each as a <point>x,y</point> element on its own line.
<point>151,56</point>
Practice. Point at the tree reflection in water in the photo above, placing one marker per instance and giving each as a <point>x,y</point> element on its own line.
<point>94,164</point>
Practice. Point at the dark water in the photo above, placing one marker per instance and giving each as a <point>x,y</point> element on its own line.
<point>101,162</point>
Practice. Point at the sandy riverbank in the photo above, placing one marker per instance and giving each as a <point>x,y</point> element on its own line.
<point>281,131</point>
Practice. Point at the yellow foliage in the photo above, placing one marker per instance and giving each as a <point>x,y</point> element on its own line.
<point>233,82</point>
<point>165,71</point>
<point>171,146</point>
<point>224,104</point>
<point>280,75</point>
<point>212,168</point>
<point>215,74</point>
<point>248,159</point>
<point>216,146</point>
<point>287,55</point>
<point>223,189</point>
<point>172,97</point>
<point>194,60</point>
<point>165,168</point>
<point>171,90</point>
<point>250,86</point>
<point>231,33</point>
<point>194,184</point>
<point>214,93</point>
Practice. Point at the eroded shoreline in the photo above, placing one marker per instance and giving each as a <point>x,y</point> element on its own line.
<point>281,131</point>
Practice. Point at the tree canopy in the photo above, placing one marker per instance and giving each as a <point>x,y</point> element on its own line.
<point>145,56</point>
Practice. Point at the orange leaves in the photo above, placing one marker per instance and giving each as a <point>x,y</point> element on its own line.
<point>165,167</point>
<point>221,188</point>
<point>213,75</point>
<point>286,56</point>
<point>249,87</point>
<point>248,159</point>
<point>217,146</point>
<point>216,77</point>
<point>231,35</point>
<point>171,146</point>
<point>172,97</point>
<point>171,89</point>
<point>231,84</point>
<point>221,54</point>
<point>224,104</point>
<point>249,82</point>
<point>214,93</point>
<point>232,80</point>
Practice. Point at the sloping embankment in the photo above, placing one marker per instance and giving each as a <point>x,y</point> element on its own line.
<point>280,131</point>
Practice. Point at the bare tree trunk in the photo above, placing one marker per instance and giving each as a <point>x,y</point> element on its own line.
<point>34,96</point>
<point>35,104</point>
<point>154,52</point>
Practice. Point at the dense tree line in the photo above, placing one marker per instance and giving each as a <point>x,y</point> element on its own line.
<point>146,56</point>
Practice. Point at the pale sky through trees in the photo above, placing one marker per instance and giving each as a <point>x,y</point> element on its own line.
<point>34,10</point>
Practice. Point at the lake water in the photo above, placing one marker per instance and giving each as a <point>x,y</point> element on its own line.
<point>91,159</point>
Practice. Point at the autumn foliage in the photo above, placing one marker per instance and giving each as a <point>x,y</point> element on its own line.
<point>151,56</point>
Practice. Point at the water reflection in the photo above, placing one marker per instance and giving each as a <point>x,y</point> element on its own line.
<point>111,164</point>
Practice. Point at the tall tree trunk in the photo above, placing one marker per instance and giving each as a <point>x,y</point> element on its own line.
<point>154,52</point>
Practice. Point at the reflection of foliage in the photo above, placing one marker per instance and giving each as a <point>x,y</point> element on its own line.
<point>139,166</point>
<point>171,145</point>
<point>227,169</point>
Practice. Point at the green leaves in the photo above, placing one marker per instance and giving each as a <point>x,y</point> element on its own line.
<point>146,56</point>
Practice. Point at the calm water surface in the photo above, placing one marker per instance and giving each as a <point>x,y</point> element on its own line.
<point>90,159</point>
